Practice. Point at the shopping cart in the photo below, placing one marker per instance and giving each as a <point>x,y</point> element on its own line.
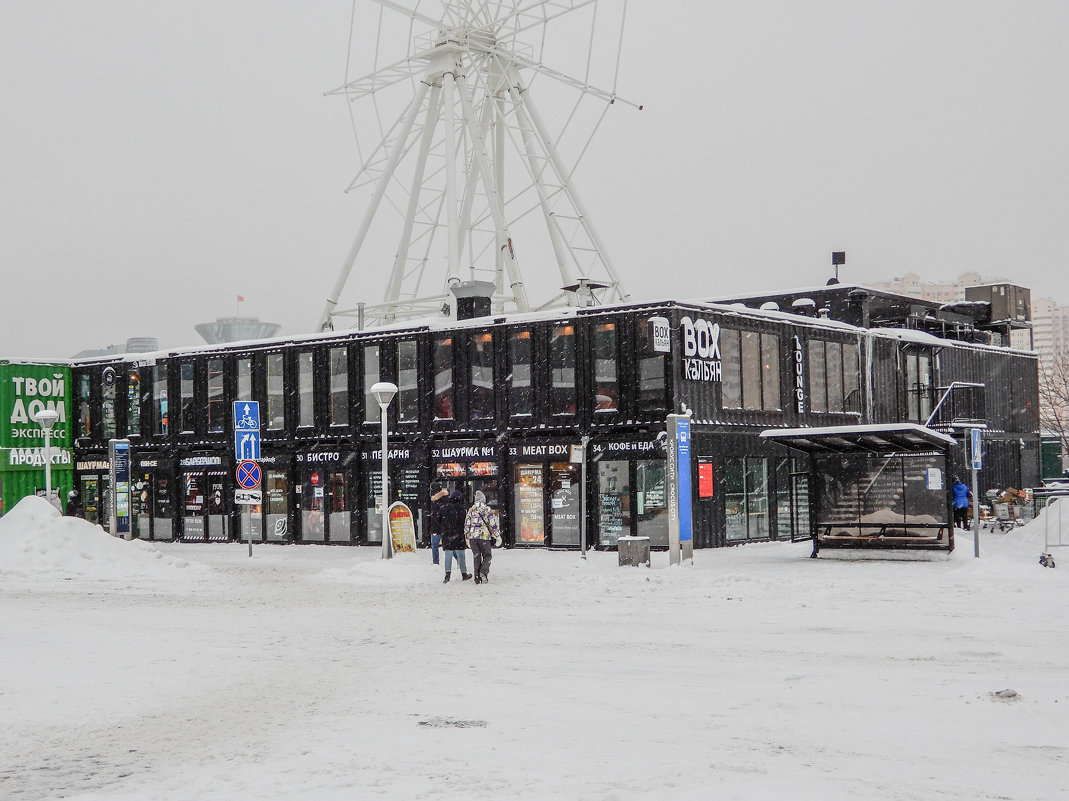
<point>1007,516</point>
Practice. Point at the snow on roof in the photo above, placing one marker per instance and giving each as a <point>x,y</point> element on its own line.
<point>870,428</point>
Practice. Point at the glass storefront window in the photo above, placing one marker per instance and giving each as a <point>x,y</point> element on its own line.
<point>651,500</point>
<point>85,421</point>
<point>276,399</point>
<point>443,378</point>
<point>481,384</point>
<point>244,380</point>
<point>339,387</point>
<point>305,390</point>
<point>652,384</point>
<point>187,409</point>
<point>731,370</point>
<point>407,382</point>
<point>313,495</point>
<point>159,398</point>
<point>216,401</point>
<point>770,367</point>
<point>750,357</point>
<point>107,391</point>
<point>527,499</point>
<point>606,380</point>
<point>818,386</point>
<point>562,370</point>
<point>133,404</point>
<point>371,377</point>
<point>521,390</point>
<point>614,502</point>
<point>834,363</point>
<point>746,498</point>
<point>851,377</point>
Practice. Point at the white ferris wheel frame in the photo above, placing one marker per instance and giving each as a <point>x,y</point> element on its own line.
<point>444,116</point>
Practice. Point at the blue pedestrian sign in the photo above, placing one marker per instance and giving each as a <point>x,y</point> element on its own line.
<point>976,448</point>
<point>246,430</point>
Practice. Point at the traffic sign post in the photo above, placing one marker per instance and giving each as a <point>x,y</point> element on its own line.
<point>976,455</point>
<point>247,451</point>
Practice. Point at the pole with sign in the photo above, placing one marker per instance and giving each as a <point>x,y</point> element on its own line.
<point>119,469</point>
<point>247,452</point>
<point>680,536</point>
<point>976,454</point>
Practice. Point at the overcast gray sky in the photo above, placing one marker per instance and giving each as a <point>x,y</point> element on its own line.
<point>159,159</point>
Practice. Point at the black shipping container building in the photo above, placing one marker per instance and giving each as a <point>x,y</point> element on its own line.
<point>499,404</point>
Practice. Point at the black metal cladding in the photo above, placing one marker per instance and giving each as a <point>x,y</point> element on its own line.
<point>623,388</point>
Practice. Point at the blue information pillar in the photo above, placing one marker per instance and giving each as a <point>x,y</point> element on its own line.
<point>680,536</point>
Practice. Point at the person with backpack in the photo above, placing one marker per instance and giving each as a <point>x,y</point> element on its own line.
<point>480,527</point>
<point>450,518</point>
<point>439,498</point>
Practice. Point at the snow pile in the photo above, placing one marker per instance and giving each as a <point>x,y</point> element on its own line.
<point>37,541</point>
<point>404,569</point>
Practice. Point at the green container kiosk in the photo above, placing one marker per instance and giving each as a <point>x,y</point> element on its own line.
<point>25,389</point>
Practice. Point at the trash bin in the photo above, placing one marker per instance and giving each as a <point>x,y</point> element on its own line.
<point>634,551</point>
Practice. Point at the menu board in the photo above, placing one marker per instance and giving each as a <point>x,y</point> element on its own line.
<point>529,504</point>
<point>611,518</point>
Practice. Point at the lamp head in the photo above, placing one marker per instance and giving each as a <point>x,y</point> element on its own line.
<point>383,392</point>
<point>45,418</point>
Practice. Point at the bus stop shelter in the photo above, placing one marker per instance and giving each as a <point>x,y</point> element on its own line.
<point>874,486</point>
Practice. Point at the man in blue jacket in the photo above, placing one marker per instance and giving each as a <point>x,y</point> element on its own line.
<point>962,496</point>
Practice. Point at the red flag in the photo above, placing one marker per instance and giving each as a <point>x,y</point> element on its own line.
<point>241,298</point>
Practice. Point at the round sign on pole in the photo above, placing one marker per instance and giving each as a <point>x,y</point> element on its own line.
<point>248,474</point>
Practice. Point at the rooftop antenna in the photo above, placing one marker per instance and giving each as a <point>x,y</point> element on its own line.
<point>464,174</point>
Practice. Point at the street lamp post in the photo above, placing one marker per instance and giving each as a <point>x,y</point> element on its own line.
<point>383,392</point>
<point>46,418</point>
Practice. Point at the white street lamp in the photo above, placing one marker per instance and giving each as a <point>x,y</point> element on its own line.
<point>384,392</point>
<point>46,418</point>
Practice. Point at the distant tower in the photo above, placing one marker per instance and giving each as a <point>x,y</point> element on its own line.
<point>236,329</point>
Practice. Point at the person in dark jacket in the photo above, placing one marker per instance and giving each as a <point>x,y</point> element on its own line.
<point>962,496</point>
<point>439,496</point>
<point>74,505</point>
<point>451,521</point>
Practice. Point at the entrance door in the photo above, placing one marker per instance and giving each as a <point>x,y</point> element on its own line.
<point>339,517</point>
<point>94,498</point>
<point>614,501</point>
<point>194,491</point>
<point>529,527</point>
<point>313,506</point>
<point>219,494</point>
<point>162,507</point>
<point>565,504</point>
<point>276,505</point>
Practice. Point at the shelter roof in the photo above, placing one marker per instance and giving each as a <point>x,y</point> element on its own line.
<point>878,439</point>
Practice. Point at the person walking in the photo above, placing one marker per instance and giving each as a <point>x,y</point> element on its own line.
<point>439,494</point>
<point>962,496</point>
<point>451,515</point>
<point>480,527</point>
<point>74,505</point>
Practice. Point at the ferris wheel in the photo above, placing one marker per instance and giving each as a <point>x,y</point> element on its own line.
<point>465,177</point>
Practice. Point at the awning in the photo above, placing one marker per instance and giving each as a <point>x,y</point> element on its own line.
<point>878,439</point>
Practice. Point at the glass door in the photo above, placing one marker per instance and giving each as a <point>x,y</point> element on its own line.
<point>614,502</point>
<point>528,502</point>
<point>276,501</point>
<point>313,495</point>
<point>194,487</point>
<point>564,525</point>
<point>339,519</point>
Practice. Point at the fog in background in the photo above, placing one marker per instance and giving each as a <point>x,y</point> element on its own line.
<point>157,160</point>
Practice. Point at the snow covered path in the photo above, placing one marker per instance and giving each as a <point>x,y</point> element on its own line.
<point>325,673</point>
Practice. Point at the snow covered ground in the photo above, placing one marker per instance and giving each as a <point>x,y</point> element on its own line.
<point>171,671</point>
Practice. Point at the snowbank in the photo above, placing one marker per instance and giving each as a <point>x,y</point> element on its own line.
<point>36,541</point>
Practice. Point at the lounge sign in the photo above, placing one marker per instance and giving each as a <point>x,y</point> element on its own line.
<point>701,350</point>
